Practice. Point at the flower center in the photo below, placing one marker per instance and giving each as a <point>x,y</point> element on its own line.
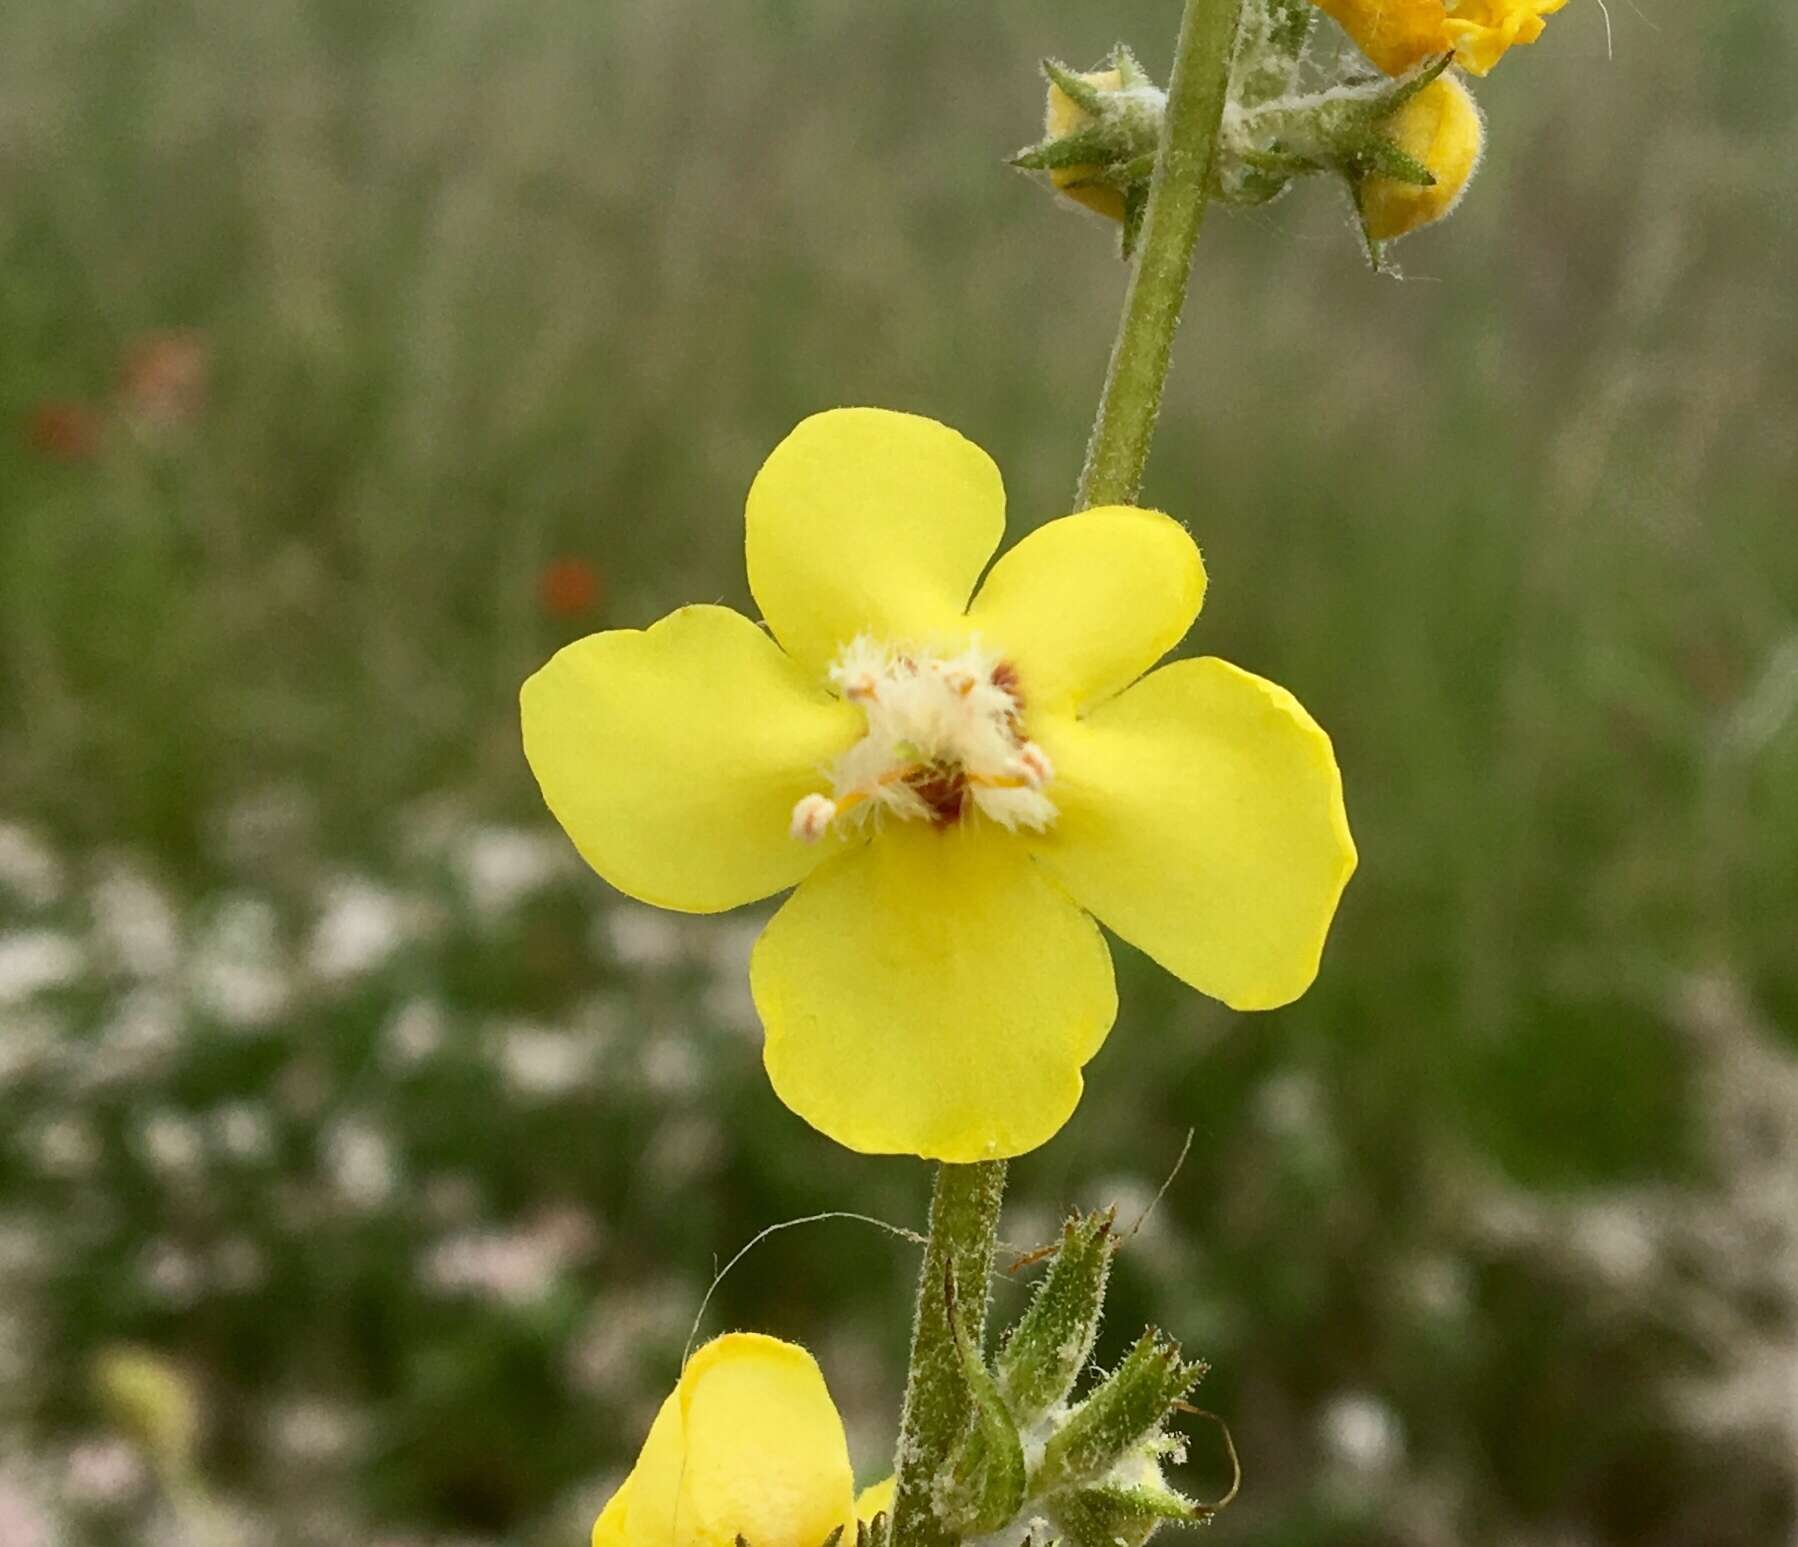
<point>945,737</point>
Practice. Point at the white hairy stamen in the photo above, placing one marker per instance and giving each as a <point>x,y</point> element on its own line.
<point>944,738</point>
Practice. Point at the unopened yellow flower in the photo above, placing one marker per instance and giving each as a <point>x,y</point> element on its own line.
<point>1398,34</point>
<point>1065,116</point>
<point>956,788</point>
<point>748,1446</point>
<point>1442,128</point>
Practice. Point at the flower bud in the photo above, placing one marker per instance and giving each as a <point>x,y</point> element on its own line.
<point>1440,128</point>
<point>1064,117</point>
<point>1101,130</point>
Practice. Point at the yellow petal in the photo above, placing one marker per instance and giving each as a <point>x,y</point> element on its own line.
<point>875,1499</point>
<point>609,1530</point>
<point>673,756</point>
<point>1085,605</point>
<point>645,1511</point>
<point>932,994</point>
<point>1394,34</point>
<point>1202,819</point>
<point>867,521</point>
<point>766,1456</point>
<point>748,1444</point>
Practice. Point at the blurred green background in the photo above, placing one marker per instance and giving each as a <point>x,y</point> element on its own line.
<point>355,354</point>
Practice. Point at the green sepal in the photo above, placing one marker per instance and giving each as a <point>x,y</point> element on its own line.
<point>1089,147</point>
<point>1128,67</point>
<point>1047,1349</point>
<point>834,1539</point>
<point>872,1533</point>
<point>1084,93</point>
<point>1126,1409</point>
<point>1112,1516</point>
<point>985,1473</point>
<point>1382,158</point>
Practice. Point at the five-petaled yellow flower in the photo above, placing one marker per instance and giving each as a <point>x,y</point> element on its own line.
<point>748,1447</point>
<point>956,788</point>
<point>1398,34</point>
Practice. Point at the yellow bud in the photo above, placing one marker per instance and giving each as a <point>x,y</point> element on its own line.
<point>1442,128</point>
<point>151,1402</point>
<point>1065,116</point>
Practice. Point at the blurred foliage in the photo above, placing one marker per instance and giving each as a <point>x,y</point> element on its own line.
<point>470,290</point>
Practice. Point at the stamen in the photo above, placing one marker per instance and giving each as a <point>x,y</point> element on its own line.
<point>944,740</point>
<point>811,816</point>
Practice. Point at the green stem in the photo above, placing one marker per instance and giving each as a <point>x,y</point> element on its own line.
<point>964,1211</point>
<point>964,1220</point>
<point>1119,447</point>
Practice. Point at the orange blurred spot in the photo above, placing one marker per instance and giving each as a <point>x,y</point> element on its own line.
<point>568,588</point>
<point>164,376</point>
<point>63,432</point>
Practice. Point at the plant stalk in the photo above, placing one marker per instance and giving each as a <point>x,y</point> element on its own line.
<point>1119,448</point>
<point>964,1210</point>
<point>964,1221</point>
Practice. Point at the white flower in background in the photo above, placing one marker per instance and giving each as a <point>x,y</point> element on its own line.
<point>1362,1433</point>
<point>510,1267</point>
<point>414,1034</point>
<point>65,1147</point>
<point>103,1474</point>
<point>33,961</point>
<point>540,1064</point>
<point>135,922</point>
<point>238,969</point>
<point>314,1431</point>
<point>641,937</point>
<point>243,1131</point>
<point>503,867</point>
<point>360,925</point>
<point>170,1143</point>
<point>171,1273</point>
<point>683,1148</point>
<point>626,1332</point>
<point>672,1066</point>
<point>142,1035</point>
<point>28,1043</point>
<point>360,1162</point>
<point>29,868</point>
<point>23,1522</point>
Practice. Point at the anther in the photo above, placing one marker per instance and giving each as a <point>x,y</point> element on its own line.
<point>812,815</point>
<point>1033,764</point>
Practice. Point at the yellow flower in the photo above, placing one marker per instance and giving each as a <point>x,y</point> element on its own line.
<point>748,1445</point>
<point>1441,127</point>
<point>1065,116</point>
<point>1398,34</point>
<point>955,788</point>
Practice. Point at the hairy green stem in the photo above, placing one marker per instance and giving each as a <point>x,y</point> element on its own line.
<point>964,1211</point>
<point>1119,447</point>
<point>964,1220</point>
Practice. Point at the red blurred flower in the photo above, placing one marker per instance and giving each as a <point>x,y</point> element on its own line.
<point>568,587</point>
<point>63,432</point>
<point>163,377</point>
